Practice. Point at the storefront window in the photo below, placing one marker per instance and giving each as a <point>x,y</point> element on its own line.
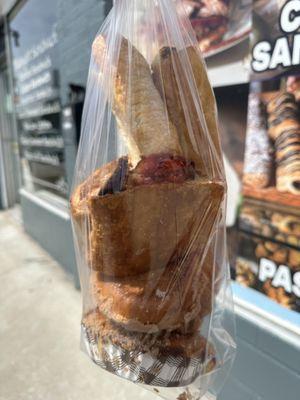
<point>33,37</point>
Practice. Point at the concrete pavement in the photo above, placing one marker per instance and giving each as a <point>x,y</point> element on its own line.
<point>39,329</point>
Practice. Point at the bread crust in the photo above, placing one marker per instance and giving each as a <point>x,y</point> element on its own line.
<point>160,345</point>
<point>159,300</point>
<point>185,110</point>
<point>143,228</point>
<point>136,103</point>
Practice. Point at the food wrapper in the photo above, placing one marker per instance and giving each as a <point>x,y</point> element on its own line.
<point>148,207</point>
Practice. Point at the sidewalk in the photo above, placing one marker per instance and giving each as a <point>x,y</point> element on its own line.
<point>39,329</point>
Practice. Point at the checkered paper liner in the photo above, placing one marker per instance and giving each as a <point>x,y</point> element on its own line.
<point>142,368</point>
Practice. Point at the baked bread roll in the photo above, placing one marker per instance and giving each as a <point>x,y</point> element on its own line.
<point>111,178</point>
<point>137,105</point>
<point>185,110</point>
<point>158,300</point>
<point>284,129</point>
<point>142,228</point>
<point>258,156</point>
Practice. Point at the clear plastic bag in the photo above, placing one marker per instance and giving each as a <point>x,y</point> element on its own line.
<point>148,207</point>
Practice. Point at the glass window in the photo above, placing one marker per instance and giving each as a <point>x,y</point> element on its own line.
<point>37,95</point>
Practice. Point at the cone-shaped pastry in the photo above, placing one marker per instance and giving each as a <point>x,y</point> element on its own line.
<point>144,227</point>
<point>136,103</point>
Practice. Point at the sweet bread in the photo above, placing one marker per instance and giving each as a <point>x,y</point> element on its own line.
<point>137,105</point>
<point>294,259</point>
<point>111,178</point>
<point>284,130</point>
<point>258,157</point>
<point>180,97</point>
<point>284,98</point>
<point>279,295</point>
<point>158,300</point>
<point>143,227</point>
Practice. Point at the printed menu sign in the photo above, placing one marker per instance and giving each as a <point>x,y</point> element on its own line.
<point>37,100</point>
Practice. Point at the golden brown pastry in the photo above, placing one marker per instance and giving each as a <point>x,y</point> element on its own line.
<point>159,300</point>
<point>111,178</point>
<point>284,129</point>
<point>280,256</point>
<point>137,105</point>
<point>279,295</point>
<point>294,259</point>
<point>261,251</point>
<point>180,97</point>
<point>258,156</point>
<point>142,228</point>
<point>244,274</point>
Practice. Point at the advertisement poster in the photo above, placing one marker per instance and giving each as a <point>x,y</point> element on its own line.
<point>268,255</point>
<point>259,119</point>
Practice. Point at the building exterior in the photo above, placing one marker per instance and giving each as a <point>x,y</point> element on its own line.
<point>43,72</point>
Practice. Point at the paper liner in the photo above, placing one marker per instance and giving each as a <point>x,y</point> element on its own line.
<point>143,368</point>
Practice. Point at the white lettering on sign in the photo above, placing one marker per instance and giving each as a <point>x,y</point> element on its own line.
<point>36,82</point>
<point>261,56</point>
<point>39,126</point>
<point>296,286</point>
<point>29,72</point>
<point>281,54</point>
<point>283,279</point>
<point>290,16</point>
<point>281,276</point>
<point>36,51</point>
<point>285,52</point>
<point>296,50</point>
<point>267,269</point>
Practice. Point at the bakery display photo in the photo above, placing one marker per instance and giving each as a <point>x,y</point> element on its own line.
<point>148,207</point>
<point>268,225</point>
<point>272,157</point>
<point>271,268</point>
<point>219,24</point>
<point>272,222</point>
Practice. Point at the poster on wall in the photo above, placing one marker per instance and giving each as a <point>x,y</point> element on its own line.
<point>269,223</point>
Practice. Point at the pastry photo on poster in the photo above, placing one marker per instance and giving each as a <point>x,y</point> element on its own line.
<point>270,214</point>
<point>219,24</point>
